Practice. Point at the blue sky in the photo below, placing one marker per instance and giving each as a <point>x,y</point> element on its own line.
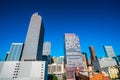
<point>96,22</point>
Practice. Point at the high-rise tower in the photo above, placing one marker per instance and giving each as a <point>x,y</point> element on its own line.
<point>73,55</point>
<point>109,51</point>
<point>46,48</point>
<point>92,52</point>
<point>30,68</point>
<point>94,60</point>
<point>34,40</point>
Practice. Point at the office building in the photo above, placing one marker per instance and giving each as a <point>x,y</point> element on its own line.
<point>34,40</point>
<point>92,53</point>
<point>107,62</point>
<point>60,59</point>
<point>56,69</point>
<point>47,48</point>
<point>29,68</point>
<point>46,52</point>
<point>109,51</point>
<point>89,62</point>
<point>55,61</point>
<point>111,71</point>
<point>85,60</point>
<point>15,52</point>
<point>94,60</point>
<point>23,70</point>
<point>73,55</point>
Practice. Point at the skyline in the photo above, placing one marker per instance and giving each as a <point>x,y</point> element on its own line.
<point>95,22</point>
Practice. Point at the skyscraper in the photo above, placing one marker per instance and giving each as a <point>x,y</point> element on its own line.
<point>34,40</point>
<point>30,68</point>
<point>15,52</point>
<point>109,51</point>
<point>46,48</point>
<point>92,52</point>
<point>94,60</point>
<point>73,55</point>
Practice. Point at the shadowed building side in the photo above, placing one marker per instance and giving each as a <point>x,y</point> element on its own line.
<point>92,52</point>
<point>94,59</point>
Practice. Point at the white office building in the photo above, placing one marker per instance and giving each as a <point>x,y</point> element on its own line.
<point>57,69</point>
<point>73,55</point>
<point>24,70</point>
<point>107,62</point>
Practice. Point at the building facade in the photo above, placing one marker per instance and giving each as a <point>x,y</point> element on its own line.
<point>94,60</point>
<point>107,62</point>
<point>15,52</point>
<point>47,48</point>
<point>85,61</point>
<point>73,55</point>
<point>23,70</point>
<point>92,53</point>
<point>113,71</point>
<point>56,69</point>
<point>60,59</point>
<point>109,51</point>
<point>34,40</point>
<point>29,67</point>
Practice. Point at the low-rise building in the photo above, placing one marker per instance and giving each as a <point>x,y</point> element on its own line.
<point>107,62</point>
<point>56,69</point>
<point>23,70</point>
<point>114,72</point>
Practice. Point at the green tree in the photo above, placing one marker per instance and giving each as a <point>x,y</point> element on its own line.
<point>55,77</point>
<point>113,79</point>
<point>64,77</point>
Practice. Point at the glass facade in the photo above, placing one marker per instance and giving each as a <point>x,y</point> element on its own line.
<point>46,48</point>
<point>15,52</point>
<point>109,51</point>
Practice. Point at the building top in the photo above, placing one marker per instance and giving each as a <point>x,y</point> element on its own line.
<point>109,51</point>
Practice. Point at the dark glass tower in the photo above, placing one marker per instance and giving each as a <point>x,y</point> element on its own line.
<point>92,52</point>
<point>94,60</point>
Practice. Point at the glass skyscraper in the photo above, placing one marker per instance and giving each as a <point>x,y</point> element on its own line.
<point>73,55</point>
<point>46,48</point>
<point>109,51</point>
<point>34,40</point>
<point>15,52</point>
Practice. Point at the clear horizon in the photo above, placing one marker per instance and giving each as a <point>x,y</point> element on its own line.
<point>97,23</point>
